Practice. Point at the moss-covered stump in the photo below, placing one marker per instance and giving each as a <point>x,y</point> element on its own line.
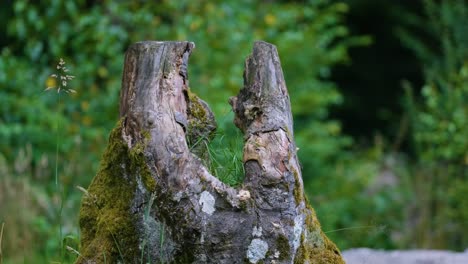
<point>153,200</point>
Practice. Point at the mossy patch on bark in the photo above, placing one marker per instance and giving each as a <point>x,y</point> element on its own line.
<point>283,246</point>
<point>201,121</point>
<point>107,217</point>
<point>315,247</point>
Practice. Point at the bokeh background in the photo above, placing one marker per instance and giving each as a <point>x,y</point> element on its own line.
<point>379,93</point>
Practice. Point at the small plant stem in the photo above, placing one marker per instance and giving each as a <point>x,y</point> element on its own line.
<point>161,244</point>
<point>118,247</point>
<point>349,228</point>
<point>59,214</point>
<point>57,143</point>
<point>62,78</point>
<point>60,227</point>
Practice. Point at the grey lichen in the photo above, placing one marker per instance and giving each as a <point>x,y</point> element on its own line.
<point>257,250</point>
<point>298,223</point>
<point>207,201</point>
<point>257,232</point>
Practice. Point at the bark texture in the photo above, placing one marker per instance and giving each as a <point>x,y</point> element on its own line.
<point>153,200</point>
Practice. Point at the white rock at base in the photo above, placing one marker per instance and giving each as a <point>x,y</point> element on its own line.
<point>372,256</point>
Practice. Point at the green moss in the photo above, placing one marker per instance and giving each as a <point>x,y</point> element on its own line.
<point>138,162</point>
<point>201,126</point>
<point>315,246</point>
<point>201,122</point>
<point>282,244</point>
<point>197,110</point>
<point>298,192</point>
<point>317,256</point>
<point>106,220</point>
<point>308,254</point>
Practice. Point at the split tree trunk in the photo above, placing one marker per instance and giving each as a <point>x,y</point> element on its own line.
<point>153,200</point>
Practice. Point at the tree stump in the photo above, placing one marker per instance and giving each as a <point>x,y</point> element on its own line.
<point>153,200</point>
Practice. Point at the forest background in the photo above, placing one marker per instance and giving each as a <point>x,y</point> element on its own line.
<point>379,93</point>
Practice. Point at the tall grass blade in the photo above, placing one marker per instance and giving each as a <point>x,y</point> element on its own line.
<point>1,237</point>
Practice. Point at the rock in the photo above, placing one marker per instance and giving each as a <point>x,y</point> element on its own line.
<point>371,256</point>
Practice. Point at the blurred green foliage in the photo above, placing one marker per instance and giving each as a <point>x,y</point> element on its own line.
<point>363,197</point>
<point>439,124</point>
<point>399,200</point>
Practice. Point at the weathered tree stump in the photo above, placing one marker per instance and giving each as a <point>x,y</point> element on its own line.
<point>153,201</point>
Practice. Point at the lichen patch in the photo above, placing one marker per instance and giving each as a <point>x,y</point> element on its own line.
<point>298,223</point>
<point>257,250</point>
<point>243,195</point>
<point>207,201</point>
<point>257,232</point>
